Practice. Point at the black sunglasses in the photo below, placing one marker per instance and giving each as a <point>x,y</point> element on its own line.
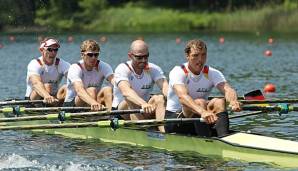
<point>140,57</point>
<point>89,54</point>
<point>52,49</point>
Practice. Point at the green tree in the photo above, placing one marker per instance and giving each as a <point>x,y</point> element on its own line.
<point>57,14</point>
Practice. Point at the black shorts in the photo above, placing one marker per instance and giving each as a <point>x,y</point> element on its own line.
<point>195,128</point>
<point>69,104</point>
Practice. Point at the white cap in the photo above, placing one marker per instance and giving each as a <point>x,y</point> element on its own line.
<point>49,43</point>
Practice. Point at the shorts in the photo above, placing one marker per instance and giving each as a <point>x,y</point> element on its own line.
<point>195,128</point>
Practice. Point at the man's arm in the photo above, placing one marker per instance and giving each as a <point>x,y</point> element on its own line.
<point>84,96</point>
<point>163,85</point>
<point>130,95</point>
<point>230,95</point>
<point>39,87</point>
<point>186,100</point>
<point>111,79</point>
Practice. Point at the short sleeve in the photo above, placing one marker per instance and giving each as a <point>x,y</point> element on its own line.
<point>106,69</point>
<point>156,72</point>
<point>64,66</point>
<point>34,68</point>
<point>122,73</point>
<point>216,76</point>
<point>74,73</point>
<point>177,76</point>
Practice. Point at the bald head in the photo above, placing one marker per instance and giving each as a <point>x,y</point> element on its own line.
<point>139,47</point>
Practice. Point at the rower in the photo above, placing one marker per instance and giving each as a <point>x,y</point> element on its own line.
<point>134,81</point>
<point>45,73</point>
<point>189,87</point>
<point>85,79</point>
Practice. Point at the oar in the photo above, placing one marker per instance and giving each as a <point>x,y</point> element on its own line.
<point>251,95</point>
<point>281,108</point>
<point>115,123</point>
<point>20,102</point>
<point>269,101</point>
<point>18,110</point>
<point>245,114</point>
<point>62,116</point>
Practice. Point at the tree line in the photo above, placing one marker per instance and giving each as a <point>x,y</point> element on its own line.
<point>79,14</point>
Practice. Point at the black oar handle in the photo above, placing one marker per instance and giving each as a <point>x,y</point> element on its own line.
<point>20,102</point>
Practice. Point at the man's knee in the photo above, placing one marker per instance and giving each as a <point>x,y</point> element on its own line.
<point>158,99</point>
<point>201,102</point>
<point>92,92</point>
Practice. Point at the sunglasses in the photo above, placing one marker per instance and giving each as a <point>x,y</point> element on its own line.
<point>92,54</point>
<point>140,57</point>
<point>52,49</point>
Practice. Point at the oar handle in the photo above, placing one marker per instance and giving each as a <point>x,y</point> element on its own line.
<point>20,102</point>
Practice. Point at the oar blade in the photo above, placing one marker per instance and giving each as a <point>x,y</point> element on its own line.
<point>254,95</point>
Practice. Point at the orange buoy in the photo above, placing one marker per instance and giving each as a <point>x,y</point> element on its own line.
<point>270,40</point>
<point>221,40</point>
<point>12,38</point>
<point>70,39</point>
<point>268,53</point>
<point>269,88</point>
<point>178,40</point>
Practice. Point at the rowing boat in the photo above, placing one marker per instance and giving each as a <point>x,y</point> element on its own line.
<point>242,146</point>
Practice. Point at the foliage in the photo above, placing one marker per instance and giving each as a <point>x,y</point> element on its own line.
<point>136,19</point>
<point>150,16</point>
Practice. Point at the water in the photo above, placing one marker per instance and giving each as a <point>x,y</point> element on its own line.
<point>240,58</point>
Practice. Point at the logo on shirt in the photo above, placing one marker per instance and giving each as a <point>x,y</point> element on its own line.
<point>203,90</point>
<point>93,85</point>
<point>146,86</point>
<point>53,81</point>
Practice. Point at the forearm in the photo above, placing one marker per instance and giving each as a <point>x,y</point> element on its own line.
<point>165,91</point>
<point>84,96</point>
<point>187,101</point>
<point>133,97</point>
<point>231,95</point>
<point>40,89</point>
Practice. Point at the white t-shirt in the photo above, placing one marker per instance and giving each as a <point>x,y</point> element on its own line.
<point>48,73</point>
<point>198,86</point>
<point>141,84</point>
<point>93,78</point>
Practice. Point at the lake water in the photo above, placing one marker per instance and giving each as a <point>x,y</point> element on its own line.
<point>240,58</point>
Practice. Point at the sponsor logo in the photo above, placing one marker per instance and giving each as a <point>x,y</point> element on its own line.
<point>93,85</point>
<point>53,81</point>
<point>146,86</point>
<point>204,90</point>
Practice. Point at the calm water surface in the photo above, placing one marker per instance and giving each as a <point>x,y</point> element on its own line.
<point>240,58</point>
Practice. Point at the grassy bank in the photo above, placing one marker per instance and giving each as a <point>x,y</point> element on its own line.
<point>136,19</point>
<point>131,18</point>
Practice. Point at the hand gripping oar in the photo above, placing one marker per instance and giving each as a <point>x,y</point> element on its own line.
<point>114,123</point>
<point>62,116</point>
<point>20,102</point>
<point>19,110</point>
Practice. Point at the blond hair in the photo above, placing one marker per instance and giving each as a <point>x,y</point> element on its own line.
<point>89,45</point>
